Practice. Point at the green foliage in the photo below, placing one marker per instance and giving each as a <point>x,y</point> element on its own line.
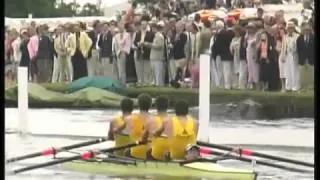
<point>49,8</point>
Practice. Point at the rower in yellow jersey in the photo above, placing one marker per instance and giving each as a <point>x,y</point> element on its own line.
<point>117,125</point>
<point>159,142</point>
<point>135,125</point>
<point>181,130</point>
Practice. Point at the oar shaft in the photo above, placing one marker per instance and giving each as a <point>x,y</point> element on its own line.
<point>241,158</point>
<point>85,156</point>
<point>52,150</point>
<point>253,153</point>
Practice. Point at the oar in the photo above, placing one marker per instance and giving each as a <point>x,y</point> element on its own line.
<point>241,158</point>
<point>85,156</point>
<point>53,151</point>
<point>249,152</point>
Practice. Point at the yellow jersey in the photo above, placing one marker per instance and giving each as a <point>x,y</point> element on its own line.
<point>135,134</point>
<point>119,138</point>
<point>159,145</point>
<point>182,135</point>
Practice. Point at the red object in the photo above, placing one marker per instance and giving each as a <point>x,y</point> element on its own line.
<point>87,155</point>
<point>49,151</point>
<point>205,151</point>
<point>246,152</point>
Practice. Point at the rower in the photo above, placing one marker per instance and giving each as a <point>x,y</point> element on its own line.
<point>135,125</point>
<point>117,125</point>
<point>181,130</point>
<point>159,142</point>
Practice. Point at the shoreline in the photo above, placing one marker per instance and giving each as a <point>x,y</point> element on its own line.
<point>270,104</point>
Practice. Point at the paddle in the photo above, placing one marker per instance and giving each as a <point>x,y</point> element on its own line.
<point>241,158</point>
<point>53,151</point>
<point>249,152</point>
<point>85,156</point>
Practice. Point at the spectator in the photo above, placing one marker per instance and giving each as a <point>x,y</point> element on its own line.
<point>238,50</point>
<point>93,64</point>
<point>251,52</point>
<point>142,53</point>
<point>157,54</point>
<point>224,38</point>
<point>78,47</point>
<point>122,49</point>
<point>305,49</point>
<point>291,60</point>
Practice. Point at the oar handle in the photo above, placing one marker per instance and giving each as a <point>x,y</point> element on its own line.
<point>52,150</point>
<point>249,152</point>
<point>241,158</point>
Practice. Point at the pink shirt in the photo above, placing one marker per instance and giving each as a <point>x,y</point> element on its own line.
<point>33,46</point>
<point>124,42</point>
<point>264,49</point>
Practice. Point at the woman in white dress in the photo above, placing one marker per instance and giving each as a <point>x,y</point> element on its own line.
<point>281,57</point>
<point>251,52</point>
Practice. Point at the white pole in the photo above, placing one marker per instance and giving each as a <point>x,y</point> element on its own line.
<point>204,97</point>
<point>29,16</point>
<point>23,99</point>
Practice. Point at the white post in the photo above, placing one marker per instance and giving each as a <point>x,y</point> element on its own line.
<point>204,97</point>
<point>29,16</point>
<point>23,99</point>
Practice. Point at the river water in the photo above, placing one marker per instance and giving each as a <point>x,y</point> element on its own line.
<point>292,138</point>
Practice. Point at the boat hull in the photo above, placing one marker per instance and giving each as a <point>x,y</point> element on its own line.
<point>196,170</point>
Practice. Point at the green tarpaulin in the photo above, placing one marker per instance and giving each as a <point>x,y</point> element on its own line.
<point>87,97</point>
<point>101,82</point>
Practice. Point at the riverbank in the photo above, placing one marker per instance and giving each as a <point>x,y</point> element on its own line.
<point>270,104</point>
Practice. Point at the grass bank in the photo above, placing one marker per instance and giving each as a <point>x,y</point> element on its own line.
<point>275,104</point>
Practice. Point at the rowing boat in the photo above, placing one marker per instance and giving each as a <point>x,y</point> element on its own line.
<point>168,169</point>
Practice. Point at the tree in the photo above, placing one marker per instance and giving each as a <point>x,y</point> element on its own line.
<point>65,10</point>
<point>89,10</point>
<point>21,8</point>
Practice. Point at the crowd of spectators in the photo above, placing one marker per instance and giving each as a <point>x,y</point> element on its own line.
<point>162,47</point>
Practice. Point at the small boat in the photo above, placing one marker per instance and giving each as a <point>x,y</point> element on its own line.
<point>176,170</point>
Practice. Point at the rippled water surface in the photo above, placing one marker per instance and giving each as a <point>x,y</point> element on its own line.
<point>292,138</point>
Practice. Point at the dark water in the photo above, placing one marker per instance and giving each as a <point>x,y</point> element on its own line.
<point>291,138</point>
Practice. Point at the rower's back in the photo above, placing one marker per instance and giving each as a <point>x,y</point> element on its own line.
<point>137,122</point>
<point>183,131</point>
<point>159,142</point>
<point>120,137</point>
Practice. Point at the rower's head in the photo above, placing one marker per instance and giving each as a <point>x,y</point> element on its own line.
<point>192,152</point>
<point>181,108</point>
<point>144,102</point>
<point>162,104</point>
<point>126,106</point>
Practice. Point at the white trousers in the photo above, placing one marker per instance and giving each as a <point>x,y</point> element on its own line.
<point>227,67</point>
<point>121,67</point>
<point>243,73</point>
<point>157,68</point>
<point>143,69</point>
<point>173,69</point>
<point>56,70</point>
<point>93,64</point>
<point>216,73</point>
<point>292,73</point>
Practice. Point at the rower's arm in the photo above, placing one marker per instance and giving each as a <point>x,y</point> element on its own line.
<point>196,123</point>
<point>120,128</point>
<point>110,131</point>
<point>146,131</point>
<point>159,131</point>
